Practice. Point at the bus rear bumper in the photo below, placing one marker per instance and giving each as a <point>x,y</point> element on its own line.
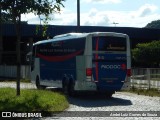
<point>92,86</point>
<point>85,85</point>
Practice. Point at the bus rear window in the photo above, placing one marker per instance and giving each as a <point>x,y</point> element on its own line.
<point>109,43</point>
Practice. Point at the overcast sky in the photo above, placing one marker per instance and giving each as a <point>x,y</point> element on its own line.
<point>127,13</point>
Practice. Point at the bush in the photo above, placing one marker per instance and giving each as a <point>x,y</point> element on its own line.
<point>147,53</point>
<point>31,101</point>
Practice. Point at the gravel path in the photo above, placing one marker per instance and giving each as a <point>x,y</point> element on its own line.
<point>13,85</point>
<point>121,101</point>
<point>98,104</point>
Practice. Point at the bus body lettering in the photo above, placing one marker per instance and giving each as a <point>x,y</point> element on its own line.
<point>111,66</point>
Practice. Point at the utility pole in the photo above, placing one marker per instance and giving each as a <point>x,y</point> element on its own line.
<point>78,15</point>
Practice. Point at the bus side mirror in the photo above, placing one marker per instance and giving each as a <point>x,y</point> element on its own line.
<point>29,57</point>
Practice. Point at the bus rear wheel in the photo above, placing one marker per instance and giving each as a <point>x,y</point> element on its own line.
<point>109,94</point>
<point>71,88</point>
<point>65,87</point>
<point>68,87</point>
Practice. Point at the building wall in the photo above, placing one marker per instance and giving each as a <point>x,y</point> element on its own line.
<point>28,32</point>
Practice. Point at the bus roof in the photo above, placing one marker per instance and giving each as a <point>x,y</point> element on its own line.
<point>75,35</point>
<point>63,37</point>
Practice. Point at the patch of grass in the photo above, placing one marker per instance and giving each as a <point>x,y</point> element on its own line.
<point>24,80</point>
<point>139,83</point>
<point>155,79</point>
<point>148,92</point>
<point>32,101</point>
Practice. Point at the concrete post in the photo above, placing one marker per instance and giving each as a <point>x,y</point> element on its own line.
<point>149,78</point>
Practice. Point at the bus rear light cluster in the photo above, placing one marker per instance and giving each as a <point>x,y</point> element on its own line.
<point>129,72</point>
<point>89,72</point>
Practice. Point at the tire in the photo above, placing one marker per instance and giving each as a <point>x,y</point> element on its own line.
<point>109,94</point>
<point>71,92</point>
<point>65,87</point>
<point>68,87</point>
<point>38,84</point>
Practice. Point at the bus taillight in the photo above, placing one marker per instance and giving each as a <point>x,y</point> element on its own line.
<point>89,72</point>
<point>129,72</point>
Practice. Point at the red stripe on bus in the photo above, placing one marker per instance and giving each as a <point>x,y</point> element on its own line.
<point>59,58</point>
<point>97,58</point>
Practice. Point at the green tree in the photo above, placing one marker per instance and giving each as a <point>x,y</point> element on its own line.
<point>148,53</point>
<point>17,7</point>
<point>6,18</point>
<point>153,24</point>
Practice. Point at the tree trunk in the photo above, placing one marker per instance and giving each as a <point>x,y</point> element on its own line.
<point>18,53</point>
<point>1,46</point>
<point>16,17</point>
<point>1,38</point>
<point>18,63</point>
